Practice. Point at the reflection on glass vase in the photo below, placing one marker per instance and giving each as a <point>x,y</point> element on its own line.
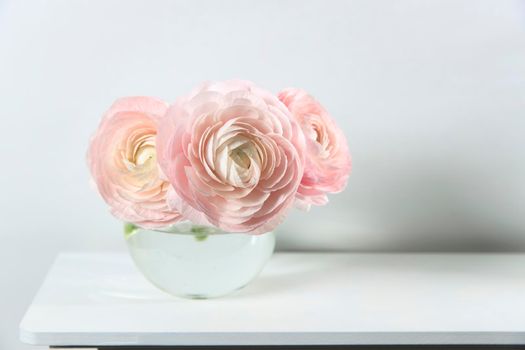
<point>196,261</point>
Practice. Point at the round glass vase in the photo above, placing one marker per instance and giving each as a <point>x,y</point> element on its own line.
<point>198,262</point>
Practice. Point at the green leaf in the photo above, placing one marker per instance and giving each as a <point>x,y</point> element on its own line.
<point>129,229</point>
<point>200,232</point>
<point>200,236</point>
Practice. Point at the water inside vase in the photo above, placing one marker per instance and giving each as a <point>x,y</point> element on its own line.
<point>199,264</point>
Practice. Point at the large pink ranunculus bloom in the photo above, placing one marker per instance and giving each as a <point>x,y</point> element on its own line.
<point>123,162</point>
<point>233,155</point>
<point>328,162</point>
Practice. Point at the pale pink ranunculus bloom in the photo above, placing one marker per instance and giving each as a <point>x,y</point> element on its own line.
<point>123,162</point>
<point>233,155</point>
<point>328,161</point>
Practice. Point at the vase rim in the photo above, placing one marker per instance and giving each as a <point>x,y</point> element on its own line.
<point>184,228</point>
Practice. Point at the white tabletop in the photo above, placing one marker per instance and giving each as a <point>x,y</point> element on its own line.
<point>300,298</point>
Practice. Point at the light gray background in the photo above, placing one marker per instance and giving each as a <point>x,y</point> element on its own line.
<point>431,95</point>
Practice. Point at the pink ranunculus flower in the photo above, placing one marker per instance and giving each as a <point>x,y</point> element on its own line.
<point>328,162</point>
<point>123,162</point>
<point>233,155</point>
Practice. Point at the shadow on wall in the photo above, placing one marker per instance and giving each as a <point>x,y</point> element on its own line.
<point>436,205</point>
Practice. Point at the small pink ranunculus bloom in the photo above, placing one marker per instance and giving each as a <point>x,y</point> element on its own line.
<point>328,162</point>
<point>123,162</point>
<point>233,155</point>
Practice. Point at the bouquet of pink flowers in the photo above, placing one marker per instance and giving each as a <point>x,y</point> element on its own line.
<point>229,154</point>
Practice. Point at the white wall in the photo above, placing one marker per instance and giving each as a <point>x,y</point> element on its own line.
<point>431,95</point>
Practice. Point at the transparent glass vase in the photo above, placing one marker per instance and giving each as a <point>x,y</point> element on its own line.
<point>198,262</point>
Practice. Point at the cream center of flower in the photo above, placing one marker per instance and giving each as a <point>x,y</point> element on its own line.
<point>238,162</point>
<point>240,158</point>
<point>142,153</point>
<point>140,159</point>
<point>316,132</point>
<point>145,155</point>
